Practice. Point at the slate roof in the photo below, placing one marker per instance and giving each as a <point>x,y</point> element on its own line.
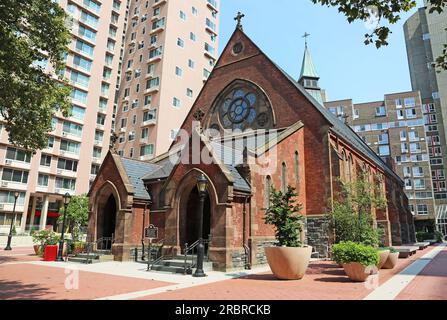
<point>343,130</point>
<point>135,169</point>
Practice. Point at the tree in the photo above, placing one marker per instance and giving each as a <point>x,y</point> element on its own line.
<point>388,10</point>
<point>77,215</point>
<point>284,214</point>
<point>32,32</point>
<point>352,211</point>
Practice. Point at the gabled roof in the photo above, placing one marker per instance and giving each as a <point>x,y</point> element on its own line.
<point>307,68</point>
<point>135,169</point>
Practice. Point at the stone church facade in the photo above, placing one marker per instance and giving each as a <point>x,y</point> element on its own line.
<point>251,127</point>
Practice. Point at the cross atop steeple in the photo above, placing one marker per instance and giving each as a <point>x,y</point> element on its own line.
<point>305,36</point>
<point>238,18</point>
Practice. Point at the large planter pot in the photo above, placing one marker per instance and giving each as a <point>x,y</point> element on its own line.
<point>383,257</point>
<point>50,253</point>
<point>36,248</point>
<point>358,272</point>
<point>288,263</point>
<point>391,262</point>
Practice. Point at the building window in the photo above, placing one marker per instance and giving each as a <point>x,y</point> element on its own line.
<point>180,43</point>
<point>182,15</point>
<point>268,189</point>
<point>283,177</point>
<point>384,150</point>
<point>15,176</point>
<point>422,209</point>
<point>380,111</point>
<point>176,102</point>
<point>42,180</point>
<point>192,36</point>
<point>18,155</point>
<point>147,150</point>
<point>178,71</point>
<point>65,164</point>
<point>297,166</point>
<point>191,64</point>
<point>189,92</point>
<point>45,160</point>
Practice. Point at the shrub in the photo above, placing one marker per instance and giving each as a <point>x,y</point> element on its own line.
<point>347,252</point>
<point>45,237</point>
<point>284,214</point>
<point>422,236</point>
<point>438,236</point>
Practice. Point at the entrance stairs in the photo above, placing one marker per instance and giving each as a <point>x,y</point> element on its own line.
<point>177,265</point>
<point>93,257</point>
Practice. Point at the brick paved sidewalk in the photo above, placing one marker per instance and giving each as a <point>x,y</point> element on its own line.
<point>323,281</point>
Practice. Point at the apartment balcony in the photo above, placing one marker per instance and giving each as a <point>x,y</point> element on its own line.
<point>159,3</point>
<point>14,185</point>
<point>157,30</point>
<point>44,169</point>
<point>149,76</point>
<point>154,18</point>
<point>66,173</point>
<point>43,189</point>
<point>153,89</point>
<point>63,191</point>
<point>212,4</point>
<point>210,30</point>
<point>8,207</point>
<point>100,126</point>
<point>96,160</point>
<point>146,157</point>
<point>154,59</point>
<point>97,143</point>
<point>69,155</point>
<point>144,140</point>
<point>17,164</point>
<point>150,122</point>
<point>71,136</point>
<point>209,54</point>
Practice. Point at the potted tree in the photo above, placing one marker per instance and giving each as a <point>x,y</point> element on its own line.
<point>359,261</point>
<point>50,250</point>
<point>290,258</point>
<point>39,239</point>
<point>384,253</point>
<point>391,262</point>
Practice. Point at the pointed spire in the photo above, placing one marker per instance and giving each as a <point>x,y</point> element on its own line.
<point>307,68</point>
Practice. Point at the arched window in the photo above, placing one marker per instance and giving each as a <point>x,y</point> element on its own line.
<point>350,168</point>
<point>297,167</point>
<point>240,106</point>
<point>268,187</point>
<point>283,177</point>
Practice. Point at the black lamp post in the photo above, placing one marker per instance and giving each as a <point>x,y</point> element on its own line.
<point>8,245</point>
<point>67,198</point>
<point>201,186</point>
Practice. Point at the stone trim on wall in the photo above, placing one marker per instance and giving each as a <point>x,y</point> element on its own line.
<point>318,234</point>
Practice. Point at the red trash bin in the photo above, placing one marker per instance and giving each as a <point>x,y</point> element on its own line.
<point>50,253</point>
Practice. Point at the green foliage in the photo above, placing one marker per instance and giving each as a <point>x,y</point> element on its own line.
<point>284,214</point>
<point>389,11</point>
<point>45,237</point>
<point>14,231</point>
<point>31,31</point>
<point>352,218</point>
<point>77,215</point>
<point>391,249</point>
<point>347,252</point>
<point>422,236</point>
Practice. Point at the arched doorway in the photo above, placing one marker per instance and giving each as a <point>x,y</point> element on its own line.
<point>107,223</point>
<point>189,230</point>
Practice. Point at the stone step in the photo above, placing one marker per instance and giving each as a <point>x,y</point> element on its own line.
<point>106,257</point>
<point>168,269</point>
<point>180,263</point>
<point>88,256</point>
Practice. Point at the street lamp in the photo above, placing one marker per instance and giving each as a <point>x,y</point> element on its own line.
<point>8,245</point>
<point>67,198</point>
<point>201,186</point>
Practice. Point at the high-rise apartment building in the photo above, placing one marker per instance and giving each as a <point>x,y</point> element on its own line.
<point>170,49</point>
<point>396,131</point>
<point>425,36</point>
<point>77,144</point>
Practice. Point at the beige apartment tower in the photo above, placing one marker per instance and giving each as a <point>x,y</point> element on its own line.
<point>425,37</point>
<point>395,129</point>
<point>171,47</point>
<point>77,144</point>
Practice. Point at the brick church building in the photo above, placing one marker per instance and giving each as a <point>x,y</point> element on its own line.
<point>252,126</point>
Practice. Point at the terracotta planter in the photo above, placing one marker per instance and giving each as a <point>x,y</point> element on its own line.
<point>391,262</point>
<point>288,263</point>
<point>383,257</point>
<point>36,248</point>
<point>358,272</point>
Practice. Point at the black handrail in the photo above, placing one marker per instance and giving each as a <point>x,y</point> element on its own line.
<point>190,249</point>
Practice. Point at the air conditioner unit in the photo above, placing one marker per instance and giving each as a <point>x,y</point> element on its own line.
<point>62,153</point>
<point>123,130</point>
<point>8,162</point>
<point>59,171</point>
<point>64,134</point>
<point>1,206</point>
<point>4,184</point>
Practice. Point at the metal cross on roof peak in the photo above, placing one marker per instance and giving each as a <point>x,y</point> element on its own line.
<point>305,36</point>
<point>238,18</point>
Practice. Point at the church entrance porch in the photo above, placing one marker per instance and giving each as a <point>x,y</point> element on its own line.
<point>106,224</point>
<point>189,220</point>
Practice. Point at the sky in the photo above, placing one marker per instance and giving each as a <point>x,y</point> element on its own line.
<point>347,67</point>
